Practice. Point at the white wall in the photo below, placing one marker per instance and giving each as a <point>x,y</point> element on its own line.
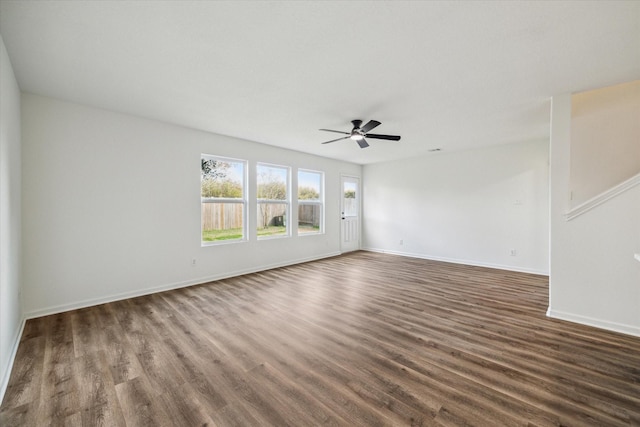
<point>605,139</point>
<point>10,306</point>
<point>594,278</point>
<point>470,207</point>
<point>112,206</point>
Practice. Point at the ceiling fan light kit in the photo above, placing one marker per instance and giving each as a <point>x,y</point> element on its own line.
<point>359,133</point>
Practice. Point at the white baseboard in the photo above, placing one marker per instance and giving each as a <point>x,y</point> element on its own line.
<point>6,374</point>
<point>598,323</point>
<point>460,261</point>
<point>166,287</point>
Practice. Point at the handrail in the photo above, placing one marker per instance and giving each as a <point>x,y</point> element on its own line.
<point>602,197</point>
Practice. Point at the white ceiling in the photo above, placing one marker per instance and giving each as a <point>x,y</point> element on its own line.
<point>450,75</point>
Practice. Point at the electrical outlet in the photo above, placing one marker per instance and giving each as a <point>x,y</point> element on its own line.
<point>193,261</point>
<point>513,252</point>
<point>401,242</point>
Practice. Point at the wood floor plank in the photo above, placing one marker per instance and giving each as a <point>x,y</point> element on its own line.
<point>87,332</point>
<point>23,415</point>
<point>158,366</point>
<point>98,400</point>
<point>276,349</point>
<point>26,378</point>
<point>184,407</point>
<point>281,346</point>
<point>123,364</point>
<point>59,398</point>
<point>362,339</point>
<point>335,341</point>
<point>508,381</point>
<point>140,404</point>
<point>289,396</point>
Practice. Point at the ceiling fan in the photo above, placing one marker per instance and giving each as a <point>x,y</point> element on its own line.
<point>359,133</point>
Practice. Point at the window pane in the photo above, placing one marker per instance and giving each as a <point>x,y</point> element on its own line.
<point>273,200</point>
<point>309,185</point>
<point>272,182</point>
<point>350,202</point>
<point>222,190</point>
<point>272,219</point>
<point>310,202</point>
<point>309,218</point>
<point>222,178</point>
<point>222,221</point>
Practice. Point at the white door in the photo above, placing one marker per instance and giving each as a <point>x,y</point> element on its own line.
<point>350,228</point>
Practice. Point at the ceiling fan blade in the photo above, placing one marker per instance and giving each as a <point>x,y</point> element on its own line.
<point>339,139</point>
<point>372,124</point>
<point>389,137</point>
<point>336,131</point>
<point>362,143</point>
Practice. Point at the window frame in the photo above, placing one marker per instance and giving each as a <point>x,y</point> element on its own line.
<point>306,202</point>
<point>243,200</point>
<point>286,202</point>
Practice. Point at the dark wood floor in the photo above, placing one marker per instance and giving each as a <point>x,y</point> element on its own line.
<point>363,339</point>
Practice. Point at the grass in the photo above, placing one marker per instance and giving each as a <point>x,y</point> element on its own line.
<point>272,230</point>
<point>236,233</point>
<point>215,235</point>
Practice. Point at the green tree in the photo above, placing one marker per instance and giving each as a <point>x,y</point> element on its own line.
<point>221,188</point>
<point>213,169</point>
<point>273,190</point>
<point>271,186</point>
<point>308,193</point>
<point>215,181</point>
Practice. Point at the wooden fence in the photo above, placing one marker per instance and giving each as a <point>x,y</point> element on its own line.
<point>309,215</point>
<point>225,216</point>
<point>221,216</point>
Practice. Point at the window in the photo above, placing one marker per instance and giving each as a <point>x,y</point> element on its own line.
<point>273,200</point>
<point>349,200</point>
<point>223,199</point>
<point>310,202</point>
